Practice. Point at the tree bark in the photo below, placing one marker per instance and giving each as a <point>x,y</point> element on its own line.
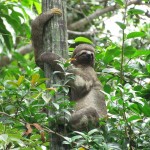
<point>55,40</point>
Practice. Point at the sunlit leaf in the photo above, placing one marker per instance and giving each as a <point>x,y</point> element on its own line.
<point>46,98</point>
<point>81,148</point>
<point>2,87</point>
<point>142,53</point>
<point>68,139</point>
<point>133,118</point>
<point>83,39</point>
<point>56,105</point>
<point>38,7</point>
<point>20,80</point>
<point>110,70</point>
<point>35,79</point>
<point>135,35</point>
<point>12,83</point>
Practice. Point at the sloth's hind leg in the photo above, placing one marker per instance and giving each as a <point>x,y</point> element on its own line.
<point>84,118</point>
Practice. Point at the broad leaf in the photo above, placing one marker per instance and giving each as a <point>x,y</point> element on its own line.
<point>136,11</point>
<point>133,118</point>
<point>135,35</point>
<point>83,39</point>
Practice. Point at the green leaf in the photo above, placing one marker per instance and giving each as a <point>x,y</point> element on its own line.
<point>110,70</point>
<point>6,35</point>
<point>77,137</point>
<point>107,88</point>
<point>135,35</point>
<point>133,118</point>
<point>83,39</point>
<point>35,137</point>
<point>93,131</point>
<point>148,67</point>
<point>146,110</point>
<point>35,79</point>
<point>9,107</point>
<point>120,2</point>
<point>121,25</point>
<point>56,105</point>
<point>142,53</point>
<point>68,139</point>
<point>82,134</point>
<point>21,143</point>
<point>136,11</point>
<point>129,51</point>
<point>38,7</point>
<point>111,53</point>
<point>2,87</point>
<point>12,83</point>
<point>20,80</point>
<point>66,142</point>
<point>12,22</point>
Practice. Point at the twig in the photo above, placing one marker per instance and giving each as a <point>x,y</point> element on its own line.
<point>82,33</point>
<point>44,128</point>
<point>127,126</point>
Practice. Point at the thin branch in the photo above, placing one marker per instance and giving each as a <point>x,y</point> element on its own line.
<point>127,126</point>
<point>44,128</point>
<point>12,117</point>
<point>81,23</point>
<point>82,33</point>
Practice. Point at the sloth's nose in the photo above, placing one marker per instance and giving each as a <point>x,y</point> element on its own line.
<point>89,56</point>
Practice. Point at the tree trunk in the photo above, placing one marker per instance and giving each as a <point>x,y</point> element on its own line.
<point>55,40</point>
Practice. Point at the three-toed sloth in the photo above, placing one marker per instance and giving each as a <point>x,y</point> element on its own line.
<point>85,89</point>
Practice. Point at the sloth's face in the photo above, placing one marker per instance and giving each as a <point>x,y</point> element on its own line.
<point>85,57</point>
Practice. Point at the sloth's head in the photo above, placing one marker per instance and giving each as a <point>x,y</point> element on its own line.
<point>84,55</point>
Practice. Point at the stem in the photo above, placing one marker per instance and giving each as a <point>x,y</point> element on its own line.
<point>127,126</point>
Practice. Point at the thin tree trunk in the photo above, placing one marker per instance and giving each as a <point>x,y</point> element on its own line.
<point>55,40</point>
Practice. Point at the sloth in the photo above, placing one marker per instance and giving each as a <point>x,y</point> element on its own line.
<point>85,88</point>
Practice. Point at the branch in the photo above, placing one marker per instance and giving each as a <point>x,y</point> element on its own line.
<point>82,33</point>
<point>81,23</point>
<point>5,60</point>
<point>44,128</point>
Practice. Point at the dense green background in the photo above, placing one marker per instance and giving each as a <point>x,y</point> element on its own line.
<point>122,64</point>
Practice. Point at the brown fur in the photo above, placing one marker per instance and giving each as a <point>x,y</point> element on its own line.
<point>85,89</point>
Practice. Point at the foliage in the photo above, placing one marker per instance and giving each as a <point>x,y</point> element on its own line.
<point>122,67</point>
